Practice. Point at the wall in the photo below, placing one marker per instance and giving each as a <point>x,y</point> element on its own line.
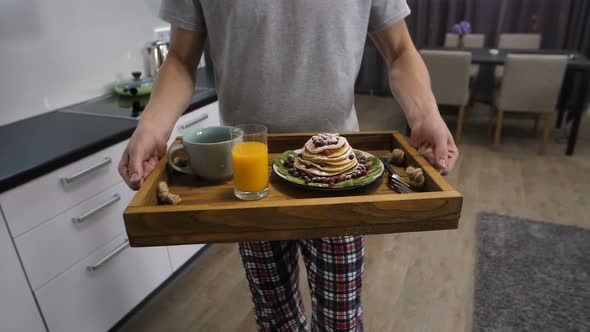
<point>59,52</point>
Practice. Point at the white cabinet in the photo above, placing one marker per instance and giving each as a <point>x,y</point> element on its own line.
<point>68,229</point>
<point>206,116</point>
<point>49,195</point>
<point>180,254</point>
<point>99,290</point>
<point>55,245</point>
<point>18,312</point>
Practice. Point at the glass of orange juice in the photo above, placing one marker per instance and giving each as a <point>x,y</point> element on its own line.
<point>250,161</point>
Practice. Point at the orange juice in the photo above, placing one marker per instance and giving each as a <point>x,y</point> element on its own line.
<point>250,166</point>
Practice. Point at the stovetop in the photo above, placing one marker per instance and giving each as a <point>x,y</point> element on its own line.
<point>123,107</point>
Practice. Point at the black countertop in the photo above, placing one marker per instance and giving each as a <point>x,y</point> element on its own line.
<point>36,146</point>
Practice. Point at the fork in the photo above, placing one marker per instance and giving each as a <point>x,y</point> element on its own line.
<point>398,186</point>
<point>395,180</point>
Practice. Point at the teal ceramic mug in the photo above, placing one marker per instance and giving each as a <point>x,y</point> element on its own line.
<point>208,151</point>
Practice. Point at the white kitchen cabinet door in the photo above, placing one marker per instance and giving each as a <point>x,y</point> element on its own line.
<point>206,116</point>
<point>43,198</point>
<point>180,254</point>
<point>98,291</point>
<point>18,312</point>
<point>54,246</point>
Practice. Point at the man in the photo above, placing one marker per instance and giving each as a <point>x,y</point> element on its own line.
<point>291,65</point>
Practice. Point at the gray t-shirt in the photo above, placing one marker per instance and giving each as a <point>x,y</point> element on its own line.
<point>288,64</point>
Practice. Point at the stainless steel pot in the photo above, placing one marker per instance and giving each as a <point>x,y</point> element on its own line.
<point>157,52</point>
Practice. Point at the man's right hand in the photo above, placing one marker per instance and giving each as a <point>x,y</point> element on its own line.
<point>146,146</point>
<point>172,92</point>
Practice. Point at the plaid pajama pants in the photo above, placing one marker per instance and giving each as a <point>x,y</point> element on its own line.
<point>334,269</point>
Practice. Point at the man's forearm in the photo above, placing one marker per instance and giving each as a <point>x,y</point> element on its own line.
<point>410,84</point>
<point>171,94</point>
<point>175,83</point>
<point>408,76</point>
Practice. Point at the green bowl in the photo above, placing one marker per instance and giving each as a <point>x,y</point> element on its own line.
<point>142,90</point>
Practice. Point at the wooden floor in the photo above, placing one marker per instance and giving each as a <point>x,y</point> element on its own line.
<point>413,282</point>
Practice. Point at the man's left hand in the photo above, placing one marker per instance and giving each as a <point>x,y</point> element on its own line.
<point>433,140</point>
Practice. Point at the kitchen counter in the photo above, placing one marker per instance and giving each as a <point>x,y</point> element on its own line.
<point>36,146</point>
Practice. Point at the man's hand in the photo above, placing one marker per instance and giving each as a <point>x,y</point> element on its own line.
<point>433,140</point>
<point>410,84</point>
<point>141,155</point>
<point>170,97</point>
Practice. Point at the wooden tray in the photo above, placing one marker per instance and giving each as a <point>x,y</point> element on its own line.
<point>211,213</point>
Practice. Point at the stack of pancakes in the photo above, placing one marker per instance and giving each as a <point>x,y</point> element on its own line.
<point>326,155</point>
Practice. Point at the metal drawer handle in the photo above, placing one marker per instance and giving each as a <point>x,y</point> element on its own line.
<point>202,117</point>
<point>73,178</point>
<point>80,219</point>
<point>108,257</point>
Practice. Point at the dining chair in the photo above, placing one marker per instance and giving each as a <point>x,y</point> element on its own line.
<point>517,41</point>
<point>474,40</point>
<point>523,41</point>
<point>449,79</point>
<point>470,40</point>
<point>451,40</point>
<point>531,84</point>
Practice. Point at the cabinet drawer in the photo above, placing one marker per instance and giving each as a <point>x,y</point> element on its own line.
<point>99,290</point>
<point>205,116</point>
<point>18,312</point>
<point>44,198</point>
<point>180,254</point>
<point>49,249</point>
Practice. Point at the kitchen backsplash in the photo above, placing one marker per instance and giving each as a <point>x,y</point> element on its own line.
<point>59,52</point>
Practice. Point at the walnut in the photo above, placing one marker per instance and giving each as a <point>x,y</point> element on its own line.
<point>398,157</point>
<point>416,176</point>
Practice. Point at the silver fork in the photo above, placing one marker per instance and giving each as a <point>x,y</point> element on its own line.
<point>398,186</point>
<point>395,180</point>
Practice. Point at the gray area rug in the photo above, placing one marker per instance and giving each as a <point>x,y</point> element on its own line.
<point>531,276</point>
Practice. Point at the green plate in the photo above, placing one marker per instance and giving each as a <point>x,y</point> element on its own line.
<point>373,175</point>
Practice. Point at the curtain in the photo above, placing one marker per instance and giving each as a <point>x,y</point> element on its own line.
<point>577,34</point>
<point>563,24</point>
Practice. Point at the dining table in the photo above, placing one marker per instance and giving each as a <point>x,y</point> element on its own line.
<point>574,91</point>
